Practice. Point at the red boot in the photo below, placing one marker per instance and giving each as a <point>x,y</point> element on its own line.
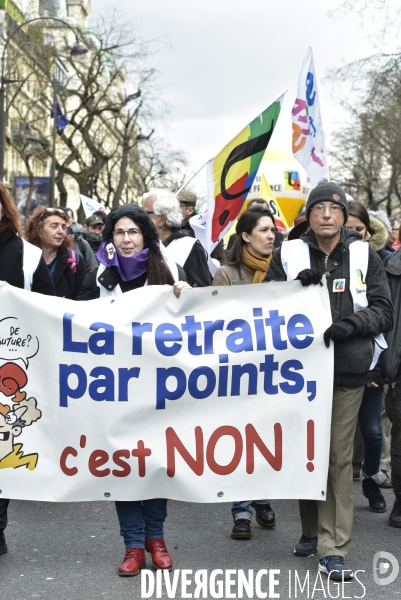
<point>134,560</point>
<point>161,558</point>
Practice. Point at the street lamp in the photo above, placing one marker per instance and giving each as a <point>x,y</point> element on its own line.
<point>78,49</point>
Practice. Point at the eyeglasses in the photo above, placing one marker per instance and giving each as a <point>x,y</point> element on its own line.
<point>120,233</point>
<point>48,212</point>
<point>320,208</point>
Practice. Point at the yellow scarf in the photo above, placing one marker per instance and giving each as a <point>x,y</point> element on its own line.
<point>257,267</point>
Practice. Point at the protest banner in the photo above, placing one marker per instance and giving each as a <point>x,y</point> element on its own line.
<point>220,395</point>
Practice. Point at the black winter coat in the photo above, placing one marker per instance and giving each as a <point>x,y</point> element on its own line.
<point>392,356</point>
<point>195,266</point>
<point>67,283</point>
<point>11,254</point>
<point>352,358</point>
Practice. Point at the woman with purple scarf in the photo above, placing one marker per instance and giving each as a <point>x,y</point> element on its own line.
<point>130,257</point>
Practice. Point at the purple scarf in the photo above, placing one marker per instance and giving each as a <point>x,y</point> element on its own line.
<point>128,267</point>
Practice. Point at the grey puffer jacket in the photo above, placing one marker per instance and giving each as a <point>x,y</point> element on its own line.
<point>352,358</point>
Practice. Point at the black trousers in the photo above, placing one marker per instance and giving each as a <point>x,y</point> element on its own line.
<point>3,513</point>
<point>393,409</point>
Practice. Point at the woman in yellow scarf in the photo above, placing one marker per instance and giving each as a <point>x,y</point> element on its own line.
<point>249,259</point>
<point>248,262</point>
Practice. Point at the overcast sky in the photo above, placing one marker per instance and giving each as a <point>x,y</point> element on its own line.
<point>226,61</point>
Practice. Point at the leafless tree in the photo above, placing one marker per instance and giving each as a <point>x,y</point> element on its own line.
<point>108,98</point>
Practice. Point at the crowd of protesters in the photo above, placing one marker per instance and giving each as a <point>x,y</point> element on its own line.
<point>154,244</point>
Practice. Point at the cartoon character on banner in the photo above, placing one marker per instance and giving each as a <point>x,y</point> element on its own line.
<point>20,411</point>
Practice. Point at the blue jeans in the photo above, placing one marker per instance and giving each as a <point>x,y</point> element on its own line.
<point>141,518</point>
<point>370,424</point>
<point>242,510</point>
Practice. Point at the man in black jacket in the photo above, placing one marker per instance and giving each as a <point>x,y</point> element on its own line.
<point>391,368</point>
<point>361,309</point>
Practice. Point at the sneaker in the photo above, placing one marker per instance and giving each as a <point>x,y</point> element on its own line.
<point>371,491</point>
<point>3,545</point>
<point>394,519</point>
<point>306,546</point>
<point>264,515</point>
<point>336,568</point>
<point>241,530</point>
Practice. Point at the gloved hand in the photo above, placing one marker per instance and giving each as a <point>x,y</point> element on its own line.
<point>339,332</point>
<point>309,276</point>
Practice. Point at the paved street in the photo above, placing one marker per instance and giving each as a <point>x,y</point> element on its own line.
<point>70,551</point>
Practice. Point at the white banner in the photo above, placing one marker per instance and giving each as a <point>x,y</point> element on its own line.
<point>307,130</point>
<point>223,394</point>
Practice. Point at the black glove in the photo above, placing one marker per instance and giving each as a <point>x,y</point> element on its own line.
<point>339,332</point>
<point>309,276</point>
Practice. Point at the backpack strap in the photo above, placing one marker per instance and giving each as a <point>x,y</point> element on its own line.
<point>73,260</point>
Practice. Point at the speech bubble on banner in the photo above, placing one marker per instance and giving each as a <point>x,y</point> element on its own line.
<point>16,342</point>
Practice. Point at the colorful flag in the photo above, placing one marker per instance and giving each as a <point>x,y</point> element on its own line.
<point>267,194</point>
<point>230,176</point>
<point>307,131</point>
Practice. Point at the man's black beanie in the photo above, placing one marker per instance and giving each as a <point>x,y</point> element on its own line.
<point>327,191</point>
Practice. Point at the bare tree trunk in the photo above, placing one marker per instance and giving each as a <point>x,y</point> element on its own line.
<point>30,191</point>
<point>61,190</point>
<point>123,178</point>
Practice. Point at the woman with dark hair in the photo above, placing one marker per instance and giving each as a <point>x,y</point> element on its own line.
<point>22,266</point>
<point>48,229</point>
<point>130,257</point>
<point>251,252</point>
<point>370,412</point>
<point>247,263</point>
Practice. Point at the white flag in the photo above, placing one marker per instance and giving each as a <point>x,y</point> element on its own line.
<point>307,131</point>
<point>90,206</point>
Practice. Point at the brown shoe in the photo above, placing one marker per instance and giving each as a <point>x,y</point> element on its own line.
<point>264,515</point>
<point>356,471</point>
<point>134,560</point>
<point>241,530</point>
<point>387,484</point>
<point>161,558</point>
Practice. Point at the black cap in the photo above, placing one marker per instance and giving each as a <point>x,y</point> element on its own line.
<point>94,220</point>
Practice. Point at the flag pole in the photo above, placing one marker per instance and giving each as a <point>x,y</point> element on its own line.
<point>189,180</point>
